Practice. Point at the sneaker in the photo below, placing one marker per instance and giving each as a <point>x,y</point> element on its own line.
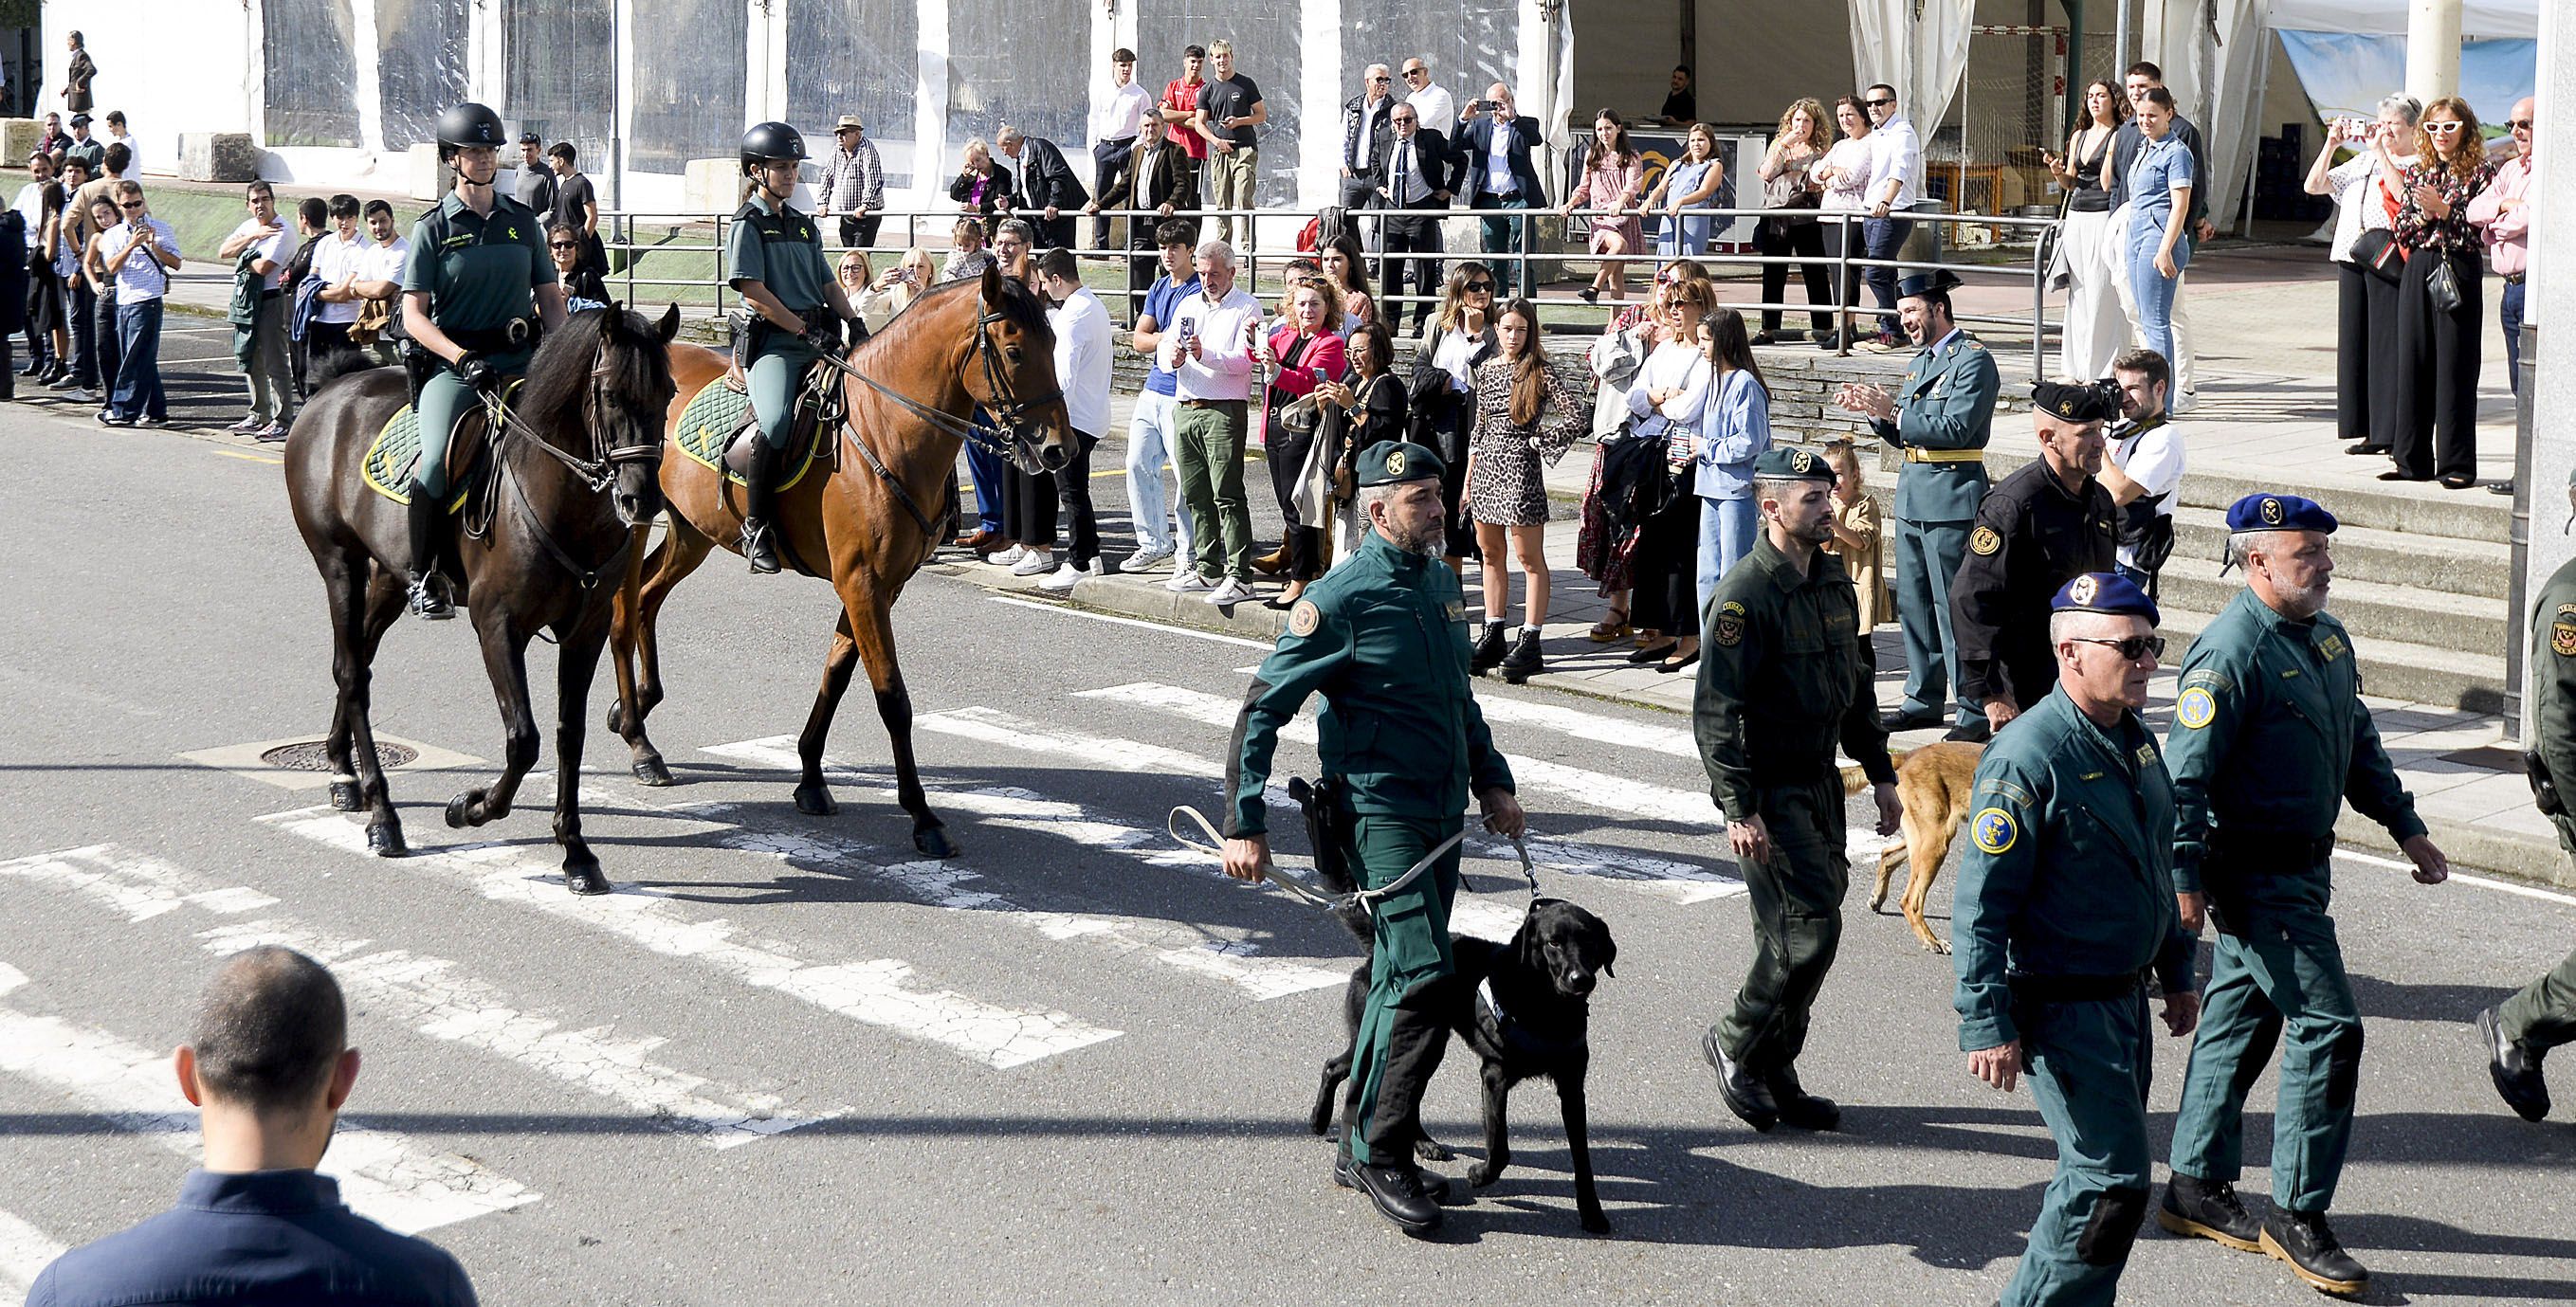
<point>85,395</point>
<point>1008,557</point>
<point>273,433</point>
<point>155,423</point>
<point>1062,579</point>
<point>1185,581</point>
<point>1231,591</point>
<point>1149,560</point>
<point>1034,562</point>
<point>108,417</point>
<point>248,426</point>
<point>64,382</point>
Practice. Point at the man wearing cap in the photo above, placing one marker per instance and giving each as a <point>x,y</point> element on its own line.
<point>1942,419</point>
<point>853,187</point>
<point>85,147</point>
<point>2519,1032</point>
<point>1784,677</point>
<point>2066,911</point>
<point>1384,639</point>
<point>2269,738</point>
<point>2042,526</point>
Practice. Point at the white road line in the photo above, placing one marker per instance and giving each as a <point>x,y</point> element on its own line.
<point>1583,724</point>
<point>2482,882</point>
<point>428,994</point>
<point>1156,627</point>
<point>25,1252</point>
<point>880,992</point>
<point>382,1175</point>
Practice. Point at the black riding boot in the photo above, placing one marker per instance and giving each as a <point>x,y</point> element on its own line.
<point>760,509</point>
<point>429,601</point>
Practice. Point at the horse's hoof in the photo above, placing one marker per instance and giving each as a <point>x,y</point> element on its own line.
<point>933,841</point>
<point>345,796</point>
<point>583,877</point>
<point>386,841</point>
<point>815,800</point>
<point>651,772</point>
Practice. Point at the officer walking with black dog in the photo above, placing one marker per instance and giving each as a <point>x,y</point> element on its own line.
<point>1384,640</point>
<point>1784,675</point>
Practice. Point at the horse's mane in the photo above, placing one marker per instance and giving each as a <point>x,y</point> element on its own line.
<point>559,375</point>
<point>1020,305</point>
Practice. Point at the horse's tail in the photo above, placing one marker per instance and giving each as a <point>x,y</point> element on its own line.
<point>339,363</point>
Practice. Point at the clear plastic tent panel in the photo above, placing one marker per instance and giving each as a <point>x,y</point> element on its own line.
<point>1268,38</point>
<point>1024,62</point>
<point>689,94</point>
<point>1469,44</point>
<point>557,59</point>
<point>309,70</point>
<point>855,56</point>
<point>420,65</point>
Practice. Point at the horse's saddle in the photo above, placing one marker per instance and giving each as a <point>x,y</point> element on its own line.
<point>395,453</point>
<point>717,430</point>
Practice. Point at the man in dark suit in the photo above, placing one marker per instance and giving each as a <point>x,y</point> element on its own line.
<point>1158,176</point>
<point>1048,191</point>
<point>1412,174</point>
<point>1491,166</point>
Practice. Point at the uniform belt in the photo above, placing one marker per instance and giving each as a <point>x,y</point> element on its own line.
<point>1214,403</point>
<point>1915,455</point>
<point>2074,989</point>
<point>520,334</point>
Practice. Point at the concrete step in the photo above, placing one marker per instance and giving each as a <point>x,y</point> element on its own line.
<point>2443,564</point>
<point>2375,610</point>
<point>2360,501</point>
<point>2393,669</point>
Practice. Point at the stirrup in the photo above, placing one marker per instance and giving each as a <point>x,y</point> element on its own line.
<point>757,549</point>
<point>429,600</point>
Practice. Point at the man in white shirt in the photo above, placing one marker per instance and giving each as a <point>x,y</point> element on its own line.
<point>1209,353</point>
<point>133,169</point>
<point>1436,108</point>
<point>1896,182</point>
<point>341,258</point>
<point>1364,143</point>
<point>30,205</point>
<point>264,239</point>
<point>1117,115</point>
<point>2143,465</point>
<point>143,251</point>
<point>380,269</point>
<point>1082,346</point>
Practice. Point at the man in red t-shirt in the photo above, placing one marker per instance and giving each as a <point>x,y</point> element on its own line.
<point>1180,102</point>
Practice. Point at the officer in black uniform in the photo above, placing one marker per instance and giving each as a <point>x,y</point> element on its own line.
<point>2039,528</point>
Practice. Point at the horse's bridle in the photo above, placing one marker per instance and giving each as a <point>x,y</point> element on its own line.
<point>1010,411</point>
<point>595,472</point>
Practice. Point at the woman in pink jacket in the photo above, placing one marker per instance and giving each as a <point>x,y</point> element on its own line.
<point>1305,351</point>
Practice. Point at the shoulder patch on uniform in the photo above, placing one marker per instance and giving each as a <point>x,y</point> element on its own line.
<point>1973,343</point>
<point>1727,631</point>
<point>1304,618</point>
<point>2146,753</point>
<point>2562,638</point>
<point>1984,541</point>
<point>1731,608</point>
<point>1993,829</point>
<point>2196,708</point>
<point>1455,610</point>
<point>2332,647</point>
<point>2208,678</point>
<point>2003,789</point>
<point>2567,610</point>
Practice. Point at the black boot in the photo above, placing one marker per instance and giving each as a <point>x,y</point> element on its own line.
<point>1523,661</point>
<point>2313,1252</point>
<point>1399,1195</point>
<point>2209,1209</point>
<point>1489,650</point>
<point>1798,1107</point>
<point>2516,1068</point>
<point>1435,1187</point>
<point>1745,1094</point>
<point>429,598</point>
<point>759,510</point>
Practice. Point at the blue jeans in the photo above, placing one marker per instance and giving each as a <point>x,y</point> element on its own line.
<point>2509,316</point>
<point>2155,291</point>
<point>1725,535</point>
<point>104,341</point>
<point>1505,236</point>
<point>1149,442</point>
<point>1881,238</point>
<point>985,467</point>
<point>138,371</point>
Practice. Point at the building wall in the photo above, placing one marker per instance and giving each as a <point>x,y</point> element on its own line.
<point>171,65</point>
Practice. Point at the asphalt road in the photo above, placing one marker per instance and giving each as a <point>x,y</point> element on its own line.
<point>789,1062</point>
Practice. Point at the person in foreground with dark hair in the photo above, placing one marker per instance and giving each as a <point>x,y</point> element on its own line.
<point>268,1062</point>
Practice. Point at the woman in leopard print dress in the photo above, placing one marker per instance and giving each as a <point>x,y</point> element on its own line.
<point>1523,415</point>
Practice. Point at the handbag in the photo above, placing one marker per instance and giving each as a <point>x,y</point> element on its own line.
<point>2377,252</point>
<point>2444,286</point>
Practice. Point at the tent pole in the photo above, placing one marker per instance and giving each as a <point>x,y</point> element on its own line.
<point>2262,88</point>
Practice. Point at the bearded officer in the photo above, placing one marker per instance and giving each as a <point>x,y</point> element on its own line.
<point>2044,525</point>
<point>2269,738</point>
<point>2522,1030</point>
<point>1384,639</point>
<point>1942,419</point>
<point>775,260</point>
<point>1785,677</point>
<point>2066,901</point>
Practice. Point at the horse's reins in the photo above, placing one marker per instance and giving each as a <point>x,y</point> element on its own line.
<point>1364,899</point>
<point>1008,409</point>
<point>594,473</point>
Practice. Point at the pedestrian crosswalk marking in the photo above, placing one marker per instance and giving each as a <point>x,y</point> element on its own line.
<point>133,885</point>
<point>25,1252</point>
<point>880,992</point>
<point>382,1175</point>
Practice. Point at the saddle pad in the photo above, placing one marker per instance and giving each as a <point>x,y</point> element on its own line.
<point>391,458</point>
<point>717,415</point>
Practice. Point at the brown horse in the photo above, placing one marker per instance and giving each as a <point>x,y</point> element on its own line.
<point>573,475</point>
<point>907,395</point>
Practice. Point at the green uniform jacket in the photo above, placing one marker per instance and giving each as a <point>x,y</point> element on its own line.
<point>1948,402</point>
<point>2069,865</point>
<point>479,272</point>
<point>2553,685</point>
<point>781,250</point>
<point>2031,537</point>
<point>1783,675</point>
<point>2270,736</point>
<point>1383,638</point>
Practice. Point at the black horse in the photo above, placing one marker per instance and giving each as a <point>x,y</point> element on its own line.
<point>571,474</point>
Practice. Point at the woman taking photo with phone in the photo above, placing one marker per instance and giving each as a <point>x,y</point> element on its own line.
<point>1845,172</point>
<point>2096,329</point>
<point>2368,267</point>
<point>1305,353</point>
<point>2438,319</point>
<point>1790,194</point>
<point>1444,372</point>
<point>1664,402</point>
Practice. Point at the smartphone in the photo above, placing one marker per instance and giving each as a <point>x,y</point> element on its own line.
<point>1489,106</point>
<point>911,278</point>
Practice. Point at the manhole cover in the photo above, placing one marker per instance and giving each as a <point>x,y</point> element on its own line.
<point>310,756</point>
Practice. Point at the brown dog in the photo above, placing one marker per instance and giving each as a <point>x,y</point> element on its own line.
<point>1933,782</point>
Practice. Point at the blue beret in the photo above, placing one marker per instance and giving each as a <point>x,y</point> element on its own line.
<point>2105,592</point>
<point>1789,463</point>
<point>2278,513</point>
<point>1390,461</point>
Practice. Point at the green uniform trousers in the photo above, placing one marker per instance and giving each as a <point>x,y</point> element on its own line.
<point>2543,1015</point>
<point>2282,970</point>
<point>777,370</point>
<point>1402,1032</point>
<point>1797,901</point>
<point>1927,558</point>
<point>1207,455</point>
<point>2089,1068</point>
<point>445,399</point>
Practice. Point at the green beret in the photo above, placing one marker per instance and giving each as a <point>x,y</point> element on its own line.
<point>1789,463</point>
<point>1390,461</point>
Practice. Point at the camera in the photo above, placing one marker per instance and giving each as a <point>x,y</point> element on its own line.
<point>1489,106</point>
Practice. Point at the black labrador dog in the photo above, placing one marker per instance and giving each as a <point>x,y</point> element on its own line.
<point>1524,1007</point>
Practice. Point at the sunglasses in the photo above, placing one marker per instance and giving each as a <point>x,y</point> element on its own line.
<point>561,245</point>
<point>2131,649</point>
<point>1402,121</point>
<point>136,207</point>
<point>1483,287</point>
<point>1381,78</point>
<point>1417,72</point>
<point>2445,128</point>
<point>2520,124</point>
<point>1877,103</point>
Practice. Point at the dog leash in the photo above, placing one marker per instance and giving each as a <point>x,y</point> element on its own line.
<point>1365,900</point>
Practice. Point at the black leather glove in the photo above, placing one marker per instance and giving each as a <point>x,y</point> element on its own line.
<point>825,337</point>
<point>476,371</point>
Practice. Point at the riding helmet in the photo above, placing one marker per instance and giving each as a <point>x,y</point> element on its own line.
<point>771,143</point>
<point>468,124</point>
